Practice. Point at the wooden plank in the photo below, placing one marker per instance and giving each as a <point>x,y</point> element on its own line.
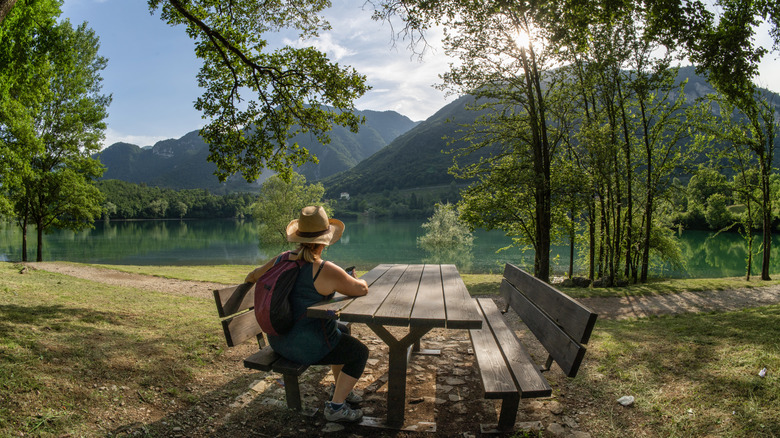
<point>333,308</point>
<point>462,311</point>
<point>577,320</point>
<point>525,371</point>
<point>429,306</point>
<point>262,360</point>
<point>565,350</point>
<point>362,309</point>
<point>288,367</point>
<point>497,380</point>
<point>397,307</point>
<point>240,328</point>
<point>234,299</point>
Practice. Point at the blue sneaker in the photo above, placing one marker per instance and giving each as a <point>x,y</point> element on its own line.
<point>344,414</point>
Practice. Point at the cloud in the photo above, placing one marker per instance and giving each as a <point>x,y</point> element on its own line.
<point>324,44</point>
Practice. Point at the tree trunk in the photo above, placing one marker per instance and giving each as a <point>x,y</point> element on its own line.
<point>767,218</point>
<point>629,175</point>
<point>39,258</point>
<point>5,8</point>
<point>592,239</point>
<point>649,206</point>
<point>24,240</point>
<point>571,245</point>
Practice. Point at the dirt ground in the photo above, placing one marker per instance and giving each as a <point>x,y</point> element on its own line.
<point>443,392</point>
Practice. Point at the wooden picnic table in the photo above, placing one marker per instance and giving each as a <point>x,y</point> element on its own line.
<point>418,297</point>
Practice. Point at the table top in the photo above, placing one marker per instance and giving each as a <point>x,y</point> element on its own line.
<point>407,295</point>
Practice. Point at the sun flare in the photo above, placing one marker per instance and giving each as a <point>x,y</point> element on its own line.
<point>522,39</point>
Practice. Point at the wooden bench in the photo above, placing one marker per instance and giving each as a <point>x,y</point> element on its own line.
<point>235,305</point>
<point>507,370</point>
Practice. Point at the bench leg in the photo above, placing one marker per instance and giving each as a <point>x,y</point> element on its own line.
<point>292,392</point>
<point>509,406</point>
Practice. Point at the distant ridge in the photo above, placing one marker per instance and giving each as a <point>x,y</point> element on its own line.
<point>420,157</point>
<point>182,163</point>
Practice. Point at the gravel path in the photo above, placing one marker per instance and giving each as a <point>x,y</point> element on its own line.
<point>200,289</point>
<point>609,308</point>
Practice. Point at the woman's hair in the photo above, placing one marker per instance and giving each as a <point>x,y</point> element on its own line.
<point>306,251</point>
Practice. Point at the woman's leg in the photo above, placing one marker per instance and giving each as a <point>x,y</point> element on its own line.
<point>344,385</point>
<point>347,360</point>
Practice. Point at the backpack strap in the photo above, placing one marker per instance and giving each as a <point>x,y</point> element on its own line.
<point>318,272</point>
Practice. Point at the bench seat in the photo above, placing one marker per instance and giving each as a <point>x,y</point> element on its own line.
<point>507,370</point>
<point>235,305</point>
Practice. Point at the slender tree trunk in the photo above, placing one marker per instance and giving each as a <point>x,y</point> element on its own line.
<point>629,175</point>
<point>24,240</point>
<point>767,217</point>
<point>542,190</point>
<point>5,8</point>
<point>572,236</point>
<point>649,205</point>
<point>592,239</point>
<point>40,242</point>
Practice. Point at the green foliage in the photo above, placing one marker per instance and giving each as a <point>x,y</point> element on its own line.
<point>53,172</point>
<point>25,72</point>
<point>126,200</point>
<point>446,238</point>
<point>257,100</point>
<point>279,202</point>
<point>445,230</point>
<point>717,215</point>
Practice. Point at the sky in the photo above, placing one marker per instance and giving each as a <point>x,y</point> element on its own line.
<point>152,68</point>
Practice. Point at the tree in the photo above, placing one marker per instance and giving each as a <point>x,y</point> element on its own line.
<point>24,77</point>
<point>280,202</point>
<point>751,134</point>
<point>257,100</point>
<point>447,239</point>
<point>54,187</point>
<point>506,76</point>
<point>444,230</point>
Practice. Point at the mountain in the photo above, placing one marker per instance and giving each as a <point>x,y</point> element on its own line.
<point>346,149</point>
<point>419,157</point>
<point>182,163</point>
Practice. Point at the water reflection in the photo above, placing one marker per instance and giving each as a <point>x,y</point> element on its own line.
<point>364,244</point>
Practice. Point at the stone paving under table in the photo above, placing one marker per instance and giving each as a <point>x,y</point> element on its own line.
<point>442,390</point>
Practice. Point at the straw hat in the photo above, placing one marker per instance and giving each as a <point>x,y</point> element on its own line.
<point>313,226</point>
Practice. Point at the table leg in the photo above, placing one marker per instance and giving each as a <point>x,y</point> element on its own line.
<point>398,358</point>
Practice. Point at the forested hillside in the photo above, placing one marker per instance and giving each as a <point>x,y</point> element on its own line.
<point>423,156</point>
<point>182,163</point>
<point>418,158</point>
<point>135,201</point>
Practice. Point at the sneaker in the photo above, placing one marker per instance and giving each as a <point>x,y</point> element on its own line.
<point>345,414</point>
<point>352,398</point>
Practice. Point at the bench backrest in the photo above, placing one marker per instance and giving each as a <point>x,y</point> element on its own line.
<point>561,324</point>
<point>236,305</point>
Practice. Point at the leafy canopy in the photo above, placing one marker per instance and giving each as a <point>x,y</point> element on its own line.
<point>257,99</point>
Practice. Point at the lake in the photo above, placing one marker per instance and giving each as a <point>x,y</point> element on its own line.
<point>365,244</point>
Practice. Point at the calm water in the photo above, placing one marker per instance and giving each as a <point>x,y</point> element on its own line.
<point>364,244</point>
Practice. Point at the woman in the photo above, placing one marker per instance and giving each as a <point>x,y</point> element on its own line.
<point>317,341</point>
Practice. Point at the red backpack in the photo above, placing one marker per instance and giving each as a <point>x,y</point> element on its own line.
<point>272,296</point>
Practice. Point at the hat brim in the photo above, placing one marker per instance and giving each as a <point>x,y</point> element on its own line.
<point>335,230</point>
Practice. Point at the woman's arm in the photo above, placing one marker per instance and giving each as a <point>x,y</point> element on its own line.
<point>253,276</point>
<point>335,279</point>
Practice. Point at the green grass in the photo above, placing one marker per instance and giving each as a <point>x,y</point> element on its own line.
<point>477,284</point>
<point>69,346</point>
<point>76,355</point>
<point>691,375</point>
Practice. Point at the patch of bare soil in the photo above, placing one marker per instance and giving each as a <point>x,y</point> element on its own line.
<point>443,391</point>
